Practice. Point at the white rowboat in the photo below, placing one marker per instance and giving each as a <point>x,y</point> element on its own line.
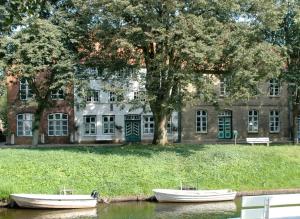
<point>173,195</point>
<point>54,201</point>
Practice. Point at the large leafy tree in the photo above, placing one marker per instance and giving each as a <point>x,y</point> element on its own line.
<point>39,53</point>
<point>13,11</point>
<point>180,43</point>
<point>288,36</point>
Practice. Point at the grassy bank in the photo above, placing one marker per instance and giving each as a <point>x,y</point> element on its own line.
<point>136,170</point>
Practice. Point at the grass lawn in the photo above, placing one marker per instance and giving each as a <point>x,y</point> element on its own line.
<point>137,169</point>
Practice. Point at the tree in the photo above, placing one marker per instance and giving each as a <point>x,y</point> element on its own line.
<point>180,43</point>
<point>288,36</point>
<point>38,52</point>
<point>13,11</point>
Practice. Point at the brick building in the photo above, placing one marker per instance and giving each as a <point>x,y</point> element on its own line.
<point>267,115</point>
<point>57,123</point>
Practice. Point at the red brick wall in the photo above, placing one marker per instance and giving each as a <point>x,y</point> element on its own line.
<point>17,106</point>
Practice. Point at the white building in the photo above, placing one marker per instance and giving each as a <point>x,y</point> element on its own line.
<point>105,119</point>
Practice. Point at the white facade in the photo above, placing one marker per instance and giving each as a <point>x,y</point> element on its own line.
<point>103,119</point>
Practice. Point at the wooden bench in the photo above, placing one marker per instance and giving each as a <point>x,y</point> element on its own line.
<point>271,206</point>
<point>260,140</point>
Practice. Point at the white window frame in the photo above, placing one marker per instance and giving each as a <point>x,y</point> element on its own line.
<point>25,89</point>
<point>222,87</point>
<point>58,95</point>
<point>139,95</point>
<point>148,125</point>
<point>90,98</point>
<point>253,121</point>
<point>24,124</point>
<point>112,97</point>
<point>274,87</point>
<point>274,126</point>
<point>58,123</point>
<point>108,125</point>
<point>201,121</point>
<point>169,126</point>
<point>88,124</point>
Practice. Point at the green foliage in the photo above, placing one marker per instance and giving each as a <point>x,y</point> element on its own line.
<point>287,35</point>
<point>13,11</point>
<point>182,43</point>
<point>40,53</point>
<point>137,169</point>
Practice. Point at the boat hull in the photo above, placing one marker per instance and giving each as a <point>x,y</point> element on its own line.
<point>54,201</point>
<point>170,195</point>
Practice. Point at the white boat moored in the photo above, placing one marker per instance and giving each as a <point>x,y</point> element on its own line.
<point>174,195</point>
<point>54,201</point>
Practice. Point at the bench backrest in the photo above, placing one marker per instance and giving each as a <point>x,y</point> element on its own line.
<point>274,200</point>
<point>264,206</point>
<point>275,212</point>
<point>258,140</point>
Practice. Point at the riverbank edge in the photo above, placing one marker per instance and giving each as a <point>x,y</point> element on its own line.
<point>6,202</point>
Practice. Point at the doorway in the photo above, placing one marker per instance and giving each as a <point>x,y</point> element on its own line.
<point>132,128</point>
<point>225,125</point>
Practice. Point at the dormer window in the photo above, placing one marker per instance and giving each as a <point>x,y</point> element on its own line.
<point>25,90</point>
<point>93,96</point>
<point>112,97</point>
<point>274,87</point>
<point>58,95</point>
<point>223,87</point>
<point>139,95</point>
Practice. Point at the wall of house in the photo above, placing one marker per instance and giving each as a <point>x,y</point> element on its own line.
<point>263,104</point>
<point>104,107</point>
<point>17,106</point>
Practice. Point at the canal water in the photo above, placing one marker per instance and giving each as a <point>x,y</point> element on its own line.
<point>133,210</point>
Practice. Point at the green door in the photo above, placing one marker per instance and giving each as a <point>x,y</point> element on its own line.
<point>132,128</point>
<point>225,125</point>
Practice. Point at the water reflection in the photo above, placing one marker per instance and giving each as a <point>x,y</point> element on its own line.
<point>131,210</point>
<point>49,214</point>
<point>206,208</point>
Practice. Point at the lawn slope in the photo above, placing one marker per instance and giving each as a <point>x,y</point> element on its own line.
<point>137,169</point>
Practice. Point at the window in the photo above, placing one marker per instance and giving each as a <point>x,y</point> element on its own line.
<point>148,125</point>
<point>253,121</point>
<point>58,95</point>
<point>274,87</point>
<point>89,125</point>
<point>93,96</point>
<point>274,121</point>
<point>169,126</point>
<point>201,121</point>
<point>58,124</point>
<point>108,124</point>
<point>112,97</point>
<point>223,87</point>
<point>25,90</point>
<point>24,124</point>
<point>139,95</point>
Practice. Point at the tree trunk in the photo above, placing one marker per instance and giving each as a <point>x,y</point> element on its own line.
<point>160,116</point>
<point>295,123</point>
<point>36,125</point>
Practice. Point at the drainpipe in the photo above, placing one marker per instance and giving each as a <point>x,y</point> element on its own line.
<point>179,125</point>
<point>289,120</point>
